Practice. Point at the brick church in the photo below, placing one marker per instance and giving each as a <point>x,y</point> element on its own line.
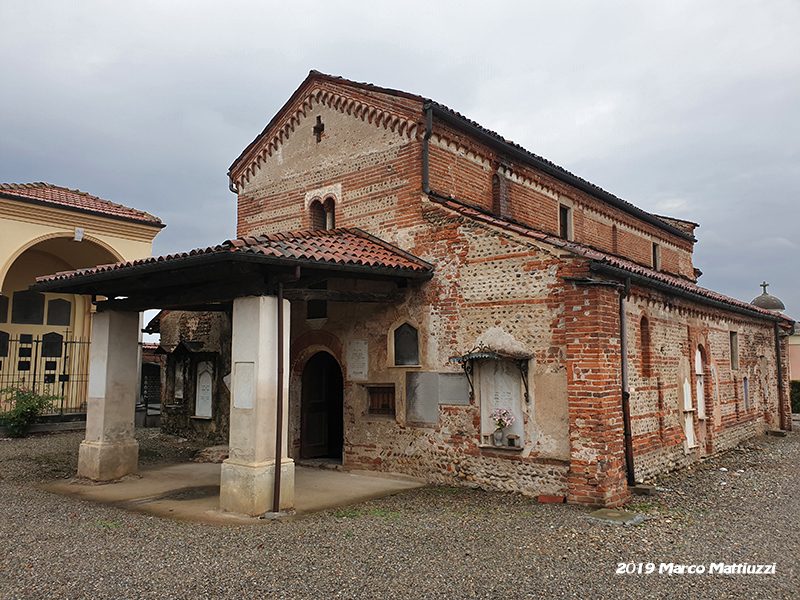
<point>558,343</point>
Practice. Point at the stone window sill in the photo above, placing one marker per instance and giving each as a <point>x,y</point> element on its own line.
<point>501,448</point>
<point>199,418</point>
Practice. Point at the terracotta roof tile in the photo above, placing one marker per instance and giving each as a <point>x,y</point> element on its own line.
<point>74,199</point>
<point>334,247</point>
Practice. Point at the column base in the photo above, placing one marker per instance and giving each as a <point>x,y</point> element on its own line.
<point>247,488</point>
<point>104,461</point>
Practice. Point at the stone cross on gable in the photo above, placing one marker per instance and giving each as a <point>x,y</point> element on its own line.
<point>319,128</point>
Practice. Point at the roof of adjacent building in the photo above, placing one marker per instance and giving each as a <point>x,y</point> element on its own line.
<point>75,200</point>
<point>343,249</point>
<point>613,264</point>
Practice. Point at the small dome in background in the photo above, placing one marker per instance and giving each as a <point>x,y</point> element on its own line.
<point>768,302</point>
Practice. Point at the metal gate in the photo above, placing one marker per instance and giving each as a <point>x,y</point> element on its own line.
<point>49,364</point>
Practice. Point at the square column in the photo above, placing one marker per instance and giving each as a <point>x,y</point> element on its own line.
<point>109,450</point>
<point>248,474</point>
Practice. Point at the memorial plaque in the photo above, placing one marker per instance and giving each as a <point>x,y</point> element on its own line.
<point>203,401</point>
<point>357,360</point>
<point>500,386</point>
<point>453,389</point>
<point>422,397</point>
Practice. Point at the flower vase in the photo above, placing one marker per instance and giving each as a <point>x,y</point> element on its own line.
<point>497,436</point>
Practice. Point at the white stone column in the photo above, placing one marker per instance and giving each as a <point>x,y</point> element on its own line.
<point>248,474</point>
<point>109,450</point>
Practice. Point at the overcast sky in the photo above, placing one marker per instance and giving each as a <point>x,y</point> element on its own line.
<point>686,108</point>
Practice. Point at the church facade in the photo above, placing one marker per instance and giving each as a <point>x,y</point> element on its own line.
<point>561,348</point>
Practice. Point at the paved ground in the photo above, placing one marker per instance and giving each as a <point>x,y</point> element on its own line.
<point>424,543</point>
<point>189,491</point>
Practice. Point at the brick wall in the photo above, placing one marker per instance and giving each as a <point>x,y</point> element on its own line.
<point>486,277</point>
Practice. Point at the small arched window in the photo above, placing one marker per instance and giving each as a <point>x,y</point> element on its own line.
<point>317,215</point>
<point>406,346</point>
<point>330,213</point>
<point>647,364</point>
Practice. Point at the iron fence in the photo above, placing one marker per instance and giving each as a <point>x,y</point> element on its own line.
<point>49,364</point>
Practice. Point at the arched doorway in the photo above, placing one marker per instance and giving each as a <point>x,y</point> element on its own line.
<point>321,422</point>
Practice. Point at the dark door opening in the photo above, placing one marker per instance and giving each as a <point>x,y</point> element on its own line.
<point>322,422</point>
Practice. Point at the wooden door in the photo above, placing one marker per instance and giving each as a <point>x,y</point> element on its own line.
<point>321,425</point>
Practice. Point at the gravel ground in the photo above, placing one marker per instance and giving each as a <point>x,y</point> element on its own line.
<point>427,543</point>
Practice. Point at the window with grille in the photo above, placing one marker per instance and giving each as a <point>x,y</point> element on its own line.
<point>381,400</point>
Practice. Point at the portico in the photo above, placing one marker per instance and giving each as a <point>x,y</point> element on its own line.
<point>244,276</point>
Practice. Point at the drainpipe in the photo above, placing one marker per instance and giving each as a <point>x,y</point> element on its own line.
<point>276,491</point>
<point>626,406</point>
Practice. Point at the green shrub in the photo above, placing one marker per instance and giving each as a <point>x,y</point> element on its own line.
<point>22,407</point>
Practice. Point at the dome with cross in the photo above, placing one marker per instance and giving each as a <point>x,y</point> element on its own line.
<point>767,301</point>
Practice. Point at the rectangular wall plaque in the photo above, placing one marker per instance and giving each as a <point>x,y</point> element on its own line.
<point>244,384</point>
<point>357,360</point>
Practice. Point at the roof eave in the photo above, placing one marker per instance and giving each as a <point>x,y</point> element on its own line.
<point>78,209</point>
<point>606,269</point>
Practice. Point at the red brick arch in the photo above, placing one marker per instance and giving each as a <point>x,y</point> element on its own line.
<point>315,338</point>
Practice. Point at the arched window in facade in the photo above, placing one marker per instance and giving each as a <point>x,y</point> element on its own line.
<point>647,365</point>
<point>317,214</point>
<point>330,213</point>
<point>406,346</point>
<point>323,214</point>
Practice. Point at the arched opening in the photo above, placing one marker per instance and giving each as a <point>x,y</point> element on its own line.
<point>322,215</point>
<point>322,402</point>
<point>47,335</point>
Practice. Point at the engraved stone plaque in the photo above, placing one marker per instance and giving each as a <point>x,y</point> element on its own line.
<point>500,386</point>
<point>357,360</point>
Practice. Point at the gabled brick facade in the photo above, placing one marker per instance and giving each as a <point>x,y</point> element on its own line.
<point>527,257</point>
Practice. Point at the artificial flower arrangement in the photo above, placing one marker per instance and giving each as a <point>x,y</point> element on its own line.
<point>502,418</point>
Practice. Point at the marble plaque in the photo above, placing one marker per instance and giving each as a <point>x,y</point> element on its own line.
<point>500,386</point>
<point>203,399</point>
<point>453,389</point>
<point>422,397</point>
<point>357,360</point>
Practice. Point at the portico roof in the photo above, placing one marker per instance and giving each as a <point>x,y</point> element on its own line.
<point>239,267</point>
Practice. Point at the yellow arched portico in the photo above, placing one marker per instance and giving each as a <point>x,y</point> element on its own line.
<point>45,229</point>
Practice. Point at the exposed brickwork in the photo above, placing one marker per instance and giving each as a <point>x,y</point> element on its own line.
<point>539,291</point>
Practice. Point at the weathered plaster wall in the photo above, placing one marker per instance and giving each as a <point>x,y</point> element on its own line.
<point>211,331</point>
